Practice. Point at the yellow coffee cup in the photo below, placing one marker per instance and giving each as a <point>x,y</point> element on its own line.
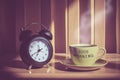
<point>86,54</point>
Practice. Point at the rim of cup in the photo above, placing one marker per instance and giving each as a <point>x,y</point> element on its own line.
<point>83,45</point>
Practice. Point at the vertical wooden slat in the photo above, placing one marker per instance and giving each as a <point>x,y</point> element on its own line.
<point>110,22</point>
<point>92,22</point>
<point>19,20</point>
<point>100,22</point>
<point>73,13</point>
<point>85,21</point>
<point>45,13</point>
<point>118,26</point>
<point>32,9</point>
<point>67,28</point>
<point>59,16</point>
<point>118,35</point>
<point>53,32</point>
<point>7,27</point>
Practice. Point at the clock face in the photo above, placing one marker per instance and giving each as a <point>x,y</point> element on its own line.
<point>38,51</point>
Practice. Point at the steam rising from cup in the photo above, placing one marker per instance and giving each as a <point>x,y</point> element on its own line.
<point>85,23</point>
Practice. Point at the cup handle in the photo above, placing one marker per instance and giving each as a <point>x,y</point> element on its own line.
<point>101,53</point>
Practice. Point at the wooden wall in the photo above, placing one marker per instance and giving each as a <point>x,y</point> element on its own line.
<point>7,27</point>
<point>64,19</point>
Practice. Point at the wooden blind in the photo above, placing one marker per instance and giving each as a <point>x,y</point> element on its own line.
<point>74,21</point>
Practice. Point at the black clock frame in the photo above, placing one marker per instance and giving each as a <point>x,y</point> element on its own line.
<point>24,51</point>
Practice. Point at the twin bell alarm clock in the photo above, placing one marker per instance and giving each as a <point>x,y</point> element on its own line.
<point>35,49</point>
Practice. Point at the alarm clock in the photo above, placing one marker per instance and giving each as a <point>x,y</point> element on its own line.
<point>36,49</point>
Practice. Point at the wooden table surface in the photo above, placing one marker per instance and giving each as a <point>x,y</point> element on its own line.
<point>15,69</point>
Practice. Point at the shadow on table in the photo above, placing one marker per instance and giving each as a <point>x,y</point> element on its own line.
<point>62,67</point>
<point>6,75</point>
<point>15,64</point>
<point>113,65</point>
<point>6,63</point>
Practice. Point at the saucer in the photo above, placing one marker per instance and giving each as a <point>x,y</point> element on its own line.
<point>98,64</point>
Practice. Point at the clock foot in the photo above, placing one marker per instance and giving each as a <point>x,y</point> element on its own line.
<point>48,66</point>
<point>29,69</point>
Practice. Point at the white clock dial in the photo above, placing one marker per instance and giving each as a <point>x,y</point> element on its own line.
<point>38,51</point>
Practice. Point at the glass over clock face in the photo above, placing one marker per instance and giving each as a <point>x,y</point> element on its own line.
<point>38,51</point>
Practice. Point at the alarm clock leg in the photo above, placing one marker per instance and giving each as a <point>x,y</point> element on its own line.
<point>29,68</point>
<point>48,68</point>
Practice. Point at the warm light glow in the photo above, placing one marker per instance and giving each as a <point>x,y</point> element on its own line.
<point>117,28</point>
<point>96,18</point>
<point>53,33</point>
<point>67,31</point>
<point>92,23</point>
<point>73,24</point>
<point>101,9</point>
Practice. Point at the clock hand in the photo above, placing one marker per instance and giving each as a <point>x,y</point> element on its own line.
<point>37,52</point>
<point>40,49</point>
<point>34,53</point>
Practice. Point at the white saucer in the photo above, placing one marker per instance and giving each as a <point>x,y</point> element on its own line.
<point>98,64</point>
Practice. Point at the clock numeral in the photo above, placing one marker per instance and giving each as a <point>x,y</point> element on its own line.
<point>43,57</point>
<point>38,46</point>
<point>32,54</point>
<point>46,49</point>
<point>44,45</point>
<point>30,51</point>
<point>31,46</point>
